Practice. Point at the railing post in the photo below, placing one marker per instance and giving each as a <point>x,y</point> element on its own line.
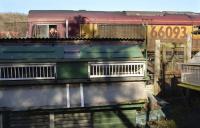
<point>157,67</point>
<point>82,95</point>
<point>68,95</point>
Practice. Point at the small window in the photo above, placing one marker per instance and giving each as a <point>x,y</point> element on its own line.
<point>45,31</point>
<point>53,33</point>
<point>196,30</point>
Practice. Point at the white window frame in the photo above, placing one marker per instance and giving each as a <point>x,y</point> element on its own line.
<point>48,27</point>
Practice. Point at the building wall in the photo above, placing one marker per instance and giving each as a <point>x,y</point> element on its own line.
<point>26,97</point>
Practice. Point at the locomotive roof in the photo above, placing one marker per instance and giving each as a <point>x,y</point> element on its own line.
<point>126,17</point>
<point>138,13</point>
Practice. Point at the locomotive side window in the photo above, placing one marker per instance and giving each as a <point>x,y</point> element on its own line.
<point>40,31</point>
<point>196,30</point>
<point>53,33</point>
<point>45,31</point>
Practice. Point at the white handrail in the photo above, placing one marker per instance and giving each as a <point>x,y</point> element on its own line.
<point>116,69</point>
<point>27,71</point>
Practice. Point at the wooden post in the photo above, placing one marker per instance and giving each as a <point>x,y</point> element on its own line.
<point>188,49</point>
<point>164,62</point>
<point>51,120</point>
<point>67,96</point>
<point>157,67</point>
<point>1,120</point>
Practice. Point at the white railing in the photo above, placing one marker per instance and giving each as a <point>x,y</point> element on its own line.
<point>27,71</point>
<point>190,74</point>
<point>116,69</point>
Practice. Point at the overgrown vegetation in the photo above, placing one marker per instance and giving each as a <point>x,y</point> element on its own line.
<point>181,113</point>
<point>13,25</point>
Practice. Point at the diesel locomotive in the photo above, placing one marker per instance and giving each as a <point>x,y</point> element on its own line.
<point>165,26</point>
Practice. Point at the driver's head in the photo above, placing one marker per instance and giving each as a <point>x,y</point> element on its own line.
<point>52,30</point>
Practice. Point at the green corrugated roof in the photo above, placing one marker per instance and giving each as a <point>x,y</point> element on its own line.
<point>68,52</point>
<point>29,52</point>
<point>106,51</point>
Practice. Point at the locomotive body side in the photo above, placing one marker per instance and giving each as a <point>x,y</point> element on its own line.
<point>96,24</point>
<point>167,33</point>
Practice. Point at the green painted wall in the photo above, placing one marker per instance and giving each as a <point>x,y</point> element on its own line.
<point>114,119</point>
<point>31,52</point>
<point>97,119</point>
<point>110,52</point>
<point>72,70</point>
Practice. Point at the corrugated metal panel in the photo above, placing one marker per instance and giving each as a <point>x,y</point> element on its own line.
<point>73,120</point>
<point>118,118</point>
<point>76,40</point>
<point>88,30</point>
<point>111,52</point>
<point>46,51</point>
<point>28,52</point>
<point>121,31</point>
<point>115,17</point>
<point>100,119</point>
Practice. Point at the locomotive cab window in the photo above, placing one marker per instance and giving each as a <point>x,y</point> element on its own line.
<point>53,33</point>
<point>45,31</point>
<point>196,30</point>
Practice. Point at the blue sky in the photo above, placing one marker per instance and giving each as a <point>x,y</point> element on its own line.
<point>23,6</point>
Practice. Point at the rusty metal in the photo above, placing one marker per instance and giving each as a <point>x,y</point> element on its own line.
<point>115,17</point>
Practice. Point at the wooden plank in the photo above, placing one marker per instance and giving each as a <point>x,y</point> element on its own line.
<point>189,86</point>
<point>124,118</point>
<point>51,120</point>
<point>1,121</point>
<point>28,120</point>
<point>188,49</point>
<point>157,67</point>
<point>109,118</point>
<point>72,115</point>
<point>74,121</point>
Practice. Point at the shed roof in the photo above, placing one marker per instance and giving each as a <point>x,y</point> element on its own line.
<point>39,52</point>
<point>195,59</point>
